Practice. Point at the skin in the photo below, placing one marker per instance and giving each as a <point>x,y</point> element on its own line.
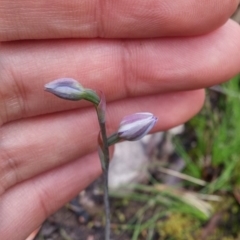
<point>153,56</point>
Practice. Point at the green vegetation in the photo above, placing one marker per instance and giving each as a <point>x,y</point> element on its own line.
<point>212,166</point>
<point>216,153</point>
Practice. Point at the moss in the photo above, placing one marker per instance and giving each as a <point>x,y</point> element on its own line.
<point>179,227</point>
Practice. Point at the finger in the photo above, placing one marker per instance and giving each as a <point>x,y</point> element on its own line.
<point>110,19</point>
<point>32,146</point>
<point>25,206</point>
<point>119,68</point>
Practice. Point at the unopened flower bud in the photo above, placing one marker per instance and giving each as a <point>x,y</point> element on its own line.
<point>136,126</point>
<point>66,88</point>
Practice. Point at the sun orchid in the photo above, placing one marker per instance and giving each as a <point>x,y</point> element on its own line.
<point>131,128</point>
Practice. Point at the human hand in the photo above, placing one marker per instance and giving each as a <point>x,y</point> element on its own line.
<point>47,145</point>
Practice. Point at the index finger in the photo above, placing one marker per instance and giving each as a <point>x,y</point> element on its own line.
<point>121,69</point>
<point>43,19</point>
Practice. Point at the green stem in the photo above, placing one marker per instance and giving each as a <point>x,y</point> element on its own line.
<point>114,138</point>
<point>105,180</point>
<point>91,96</point>
<point>105,167</point>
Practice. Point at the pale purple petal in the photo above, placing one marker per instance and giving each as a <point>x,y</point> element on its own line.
<point>66,88</point>
<point>136,126</point>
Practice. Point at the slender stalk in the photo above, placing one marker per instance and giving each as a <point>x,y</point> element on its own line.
<point>105,168</point>
<point>107,206</point>
<point>104,152</point>
<point>104,157</point>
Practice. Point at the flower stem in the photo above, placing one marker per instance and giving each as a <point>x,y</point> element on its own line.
<point>112,139</point>
<point>105,167</point>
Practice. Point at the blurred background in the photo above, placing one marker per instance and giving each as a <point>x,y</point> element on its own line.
<point>182,184</point>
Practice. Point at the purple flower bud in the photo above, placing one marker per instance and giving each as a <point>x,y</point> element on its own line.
<point>136,126</point>
<point>66,88</point>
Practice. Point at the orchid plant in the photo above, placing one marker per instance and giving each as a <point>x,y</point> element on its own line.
<point>131,128</point>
